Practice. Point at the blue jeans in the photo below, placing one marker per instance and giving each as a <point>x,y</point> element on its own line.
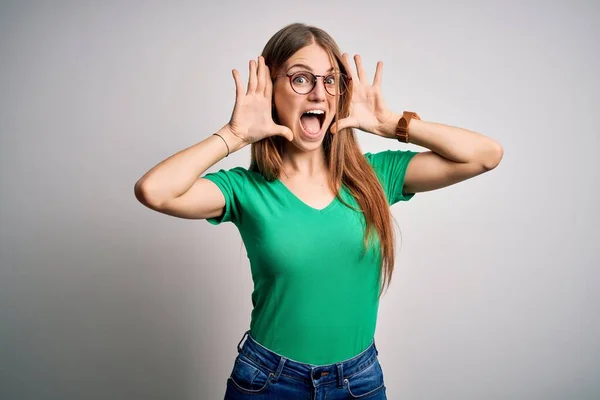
<point>259,373</point>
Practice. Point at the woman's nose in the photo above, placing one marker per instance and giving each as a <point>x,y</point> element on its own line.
<point>318,92</point>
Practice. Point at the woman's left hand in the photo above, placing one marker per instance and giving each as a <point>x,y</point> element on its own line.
<point>368,111</point>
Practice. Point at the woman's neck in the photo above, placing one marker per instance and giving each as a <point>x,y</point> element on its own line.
<point>304,163</point>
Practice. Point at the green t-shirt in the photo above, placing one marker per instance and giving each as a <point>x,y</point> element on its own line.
<point>316,291</point>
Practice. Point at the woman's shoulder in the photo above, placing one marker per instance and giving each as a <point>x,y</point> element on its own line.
<point>238,174</point>
<point>384,158</point>
<point>387,154</point>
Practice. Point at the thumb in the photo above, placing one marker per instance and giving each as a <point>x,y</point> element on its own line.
<point>284,131</point>
<point>341,124</point>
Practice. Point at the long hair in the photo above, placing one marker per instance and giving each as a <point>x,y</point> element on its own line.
<point>346,163</point>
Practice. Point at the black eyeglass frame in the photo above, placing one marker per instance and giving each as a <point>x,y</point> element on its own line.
<point>347,79</point>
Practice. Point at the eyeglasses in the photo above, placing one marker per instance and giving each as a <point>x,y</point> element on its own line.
<point>304,82</point>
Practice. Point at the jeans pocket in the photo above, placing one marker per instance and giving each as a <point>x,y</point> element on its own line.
<point>248,377</point>
<point>366,382</point>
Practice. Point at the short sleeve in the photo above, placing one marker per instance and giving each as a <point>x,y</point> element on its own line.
<point>231,183</point>
<point>390,166</point>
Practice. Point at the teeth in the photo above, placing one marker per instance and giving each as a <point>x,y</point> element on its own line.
<point>315,112</point>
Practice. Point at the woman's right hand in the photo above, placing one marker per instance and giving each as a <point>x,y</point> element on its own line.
<point>251,119</point>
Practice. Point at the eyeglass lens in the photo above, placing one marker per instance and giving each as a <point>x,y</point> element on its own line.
<point>304,82</point>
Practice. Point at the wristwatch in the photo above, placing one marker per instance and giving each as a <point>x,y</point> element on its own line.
<point>402,127</point>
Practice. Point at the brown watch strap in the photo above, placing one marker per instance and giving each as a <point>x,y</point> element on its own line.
<point>402,127</point>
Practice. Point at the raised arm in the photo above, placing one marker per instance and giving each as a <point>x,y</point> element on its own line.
<point>174,186</point>
<point>455,154</point>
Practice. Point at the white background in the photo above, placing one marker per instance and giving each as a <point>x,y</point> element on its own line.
<point>496,287</point>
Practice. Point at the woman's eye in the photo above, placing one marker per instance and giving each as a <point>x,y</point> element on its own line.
<point>330,80</point>
<point>301,79</point>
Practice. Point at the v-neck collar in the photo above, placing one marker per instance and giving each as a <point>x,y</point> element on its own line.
<point>298,200</point>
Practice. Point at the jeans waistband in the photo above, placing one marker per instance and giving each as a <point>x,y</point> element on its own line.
<point>278,365</point>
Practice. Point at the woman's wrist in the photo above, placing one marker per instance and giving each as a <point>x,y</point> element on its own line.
<point>388,129</point>
<point>231,140</point>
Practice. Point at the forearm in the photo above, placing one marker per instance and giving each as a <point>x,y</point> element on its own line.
<point>175,175</point>
<point>455,144</point>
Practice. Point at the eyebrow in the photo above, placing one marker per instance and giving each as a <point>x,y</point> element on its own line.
<point>307,67</point>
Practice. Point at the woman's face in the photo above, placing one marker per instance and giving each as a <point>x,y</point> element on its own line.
<point>309,129</point>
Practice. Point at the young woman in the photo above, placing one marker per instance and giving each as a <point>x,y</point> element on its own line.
<point>312,210</point>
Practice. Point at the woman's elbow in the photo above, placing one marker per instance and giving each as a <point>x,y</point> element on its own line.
<point>493,156</point>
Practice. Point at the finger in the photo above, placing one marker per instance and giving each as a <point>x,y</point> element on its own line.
<point>359,68</point>
<point>336,126</point>
<point>252,77</point>
<point>285,132</point>
<point>239,88</point>
<point>260,86</point>
<point>378,72</point>
<point>341,124</point>
<point>349,70</point>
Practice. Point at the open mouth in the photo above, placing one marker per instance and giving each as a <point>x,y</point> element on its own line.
<point>312,121</point>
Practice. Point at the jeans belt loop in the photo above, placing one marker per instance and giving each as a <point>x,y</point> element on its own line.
<point>282,361</point>
<point>243,337</point>
<point>340,371</point>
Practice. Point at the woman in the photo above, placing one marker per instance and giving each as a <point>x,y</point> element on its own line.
<point>312,210</point>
